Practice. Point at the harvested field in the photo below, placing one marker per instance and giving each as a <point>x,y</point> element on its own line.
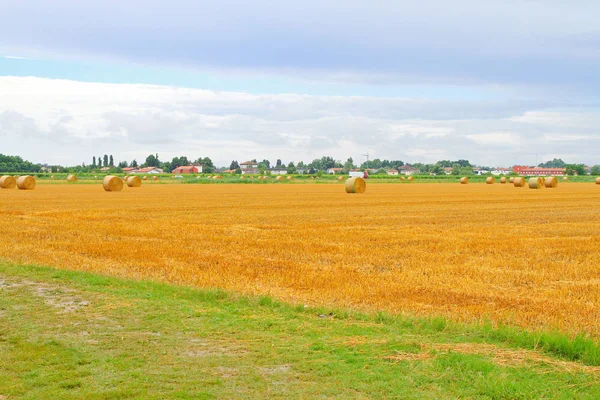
<point>525,257</point>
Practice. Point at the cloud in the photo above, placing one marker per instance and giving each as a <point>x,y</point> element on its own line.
<point>62,121</point>
<point>542,43</point>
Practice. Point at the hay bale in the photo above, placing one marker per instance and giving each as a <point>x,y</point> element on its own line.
<point>155,178</point>
<point>503,180</point>
<point>134,181</point>
<point>490,180</point>
<point>279,178</point>
<point>551,182</point>
<point>511,179</point>
<point>464,180</point>
<point>597,181</point>
<point>565,178</point>
<point>112,183</point>
<point>519,182</point>
<point>71,178</point>
<point>401,178</point>
<point>8,182</point>
<point>26,182</point>
<point>289,178</point>
<point>355,185</point>
<point>52,177</point>
<point>145,178</point>
<point>535,183</point>
<point>411,178</point>
<point>341,178</point>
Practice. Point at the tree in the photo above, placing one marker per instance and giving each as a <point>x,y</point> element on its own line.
<point>94,161</point>
<point>595,170</point>
<point>152,161</point>
<point>555,163</point>
<point>238,170</point>
<point>300,164</point>
<point>111,162</point>
<point>134,164</point>
<point>234,165</point>
<point>207,164</point>
<point>122,164</point>
<point>349,164</point>
<point>106,164</point>
<point>278,163</point>
<point>575,169</point>
<point>264,164</point>
<point>100,161</point>
<point>291,169</point>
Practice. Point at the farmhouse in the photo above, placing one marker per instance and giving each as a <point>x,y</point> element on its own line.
<point>152,170</point>
<point>189,169</point>
<point>282,170</point>
<point>392,172</point>
<point>408,170</point>
<point>538,171</point>
<point>249,167</point>
<point>333,171</point>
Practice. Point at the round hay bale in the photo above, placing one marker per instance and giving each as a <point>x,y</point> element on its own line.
<point>52,177</point>
<point>279,178</point>
<point>411,178</point>
<point>155,178</point>
<point>71,178</point>
<point>289,178</point>
<point>511,179</point>
<point>565,178</point>
<point>355,185</point>
<point>401,178</point>
<point>26,182</point>
<point>597,181</point>
<point>112,183</point>
<point>464,180</point>
<point>490,180</point>
<point>341,178</point>
<point>519,182</point>
<point>535,183</point>
<point>503,180</point>
<point>145,178</point>
<point>218,177</point>
<point>134,181</point>
<point>551,182</point>
<point>8,182</point>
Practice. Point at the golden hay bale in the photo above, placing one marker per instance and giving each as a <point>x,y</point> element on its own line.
<point>341,178</point>
<point>503,180</point>
<point>71,178</point>
<point>490,180</point>
<point>535,183</point>
<point>52,177</point>
<point>289,178</point>
<point>217,177</point>
<point>134,181</point>
<point>112,183</point>
<point>155,178</point>
<point>597,181</point>
<point>279,178</point>
<point>411,178</point>
<point>145,178</point>
<point>511,179</point>
<point>401,178</point>
<point>519,182</point>
<point>464,180</point>
<point>26,182</point>
<point>8,182</point>
<point>242,177</point>
<point>355,185</point>
<point>551,182</point>
<point>565,178</point>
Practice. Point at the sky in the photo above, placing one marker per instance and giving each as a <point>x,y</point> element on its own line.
<point>498,83</point>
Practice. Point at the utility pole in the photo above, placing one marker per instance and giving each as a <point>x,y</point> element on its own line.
<point>367,159</point>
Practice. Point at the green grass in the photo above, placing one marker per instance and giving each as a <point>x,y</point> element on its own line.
<point>74,335</point>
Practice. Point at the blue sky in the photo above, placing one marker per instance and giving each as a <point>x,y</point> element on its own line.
<point>470,79</point>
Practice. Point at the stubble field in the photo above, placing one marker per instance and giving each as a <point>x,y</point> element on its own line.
<point>474,252</point>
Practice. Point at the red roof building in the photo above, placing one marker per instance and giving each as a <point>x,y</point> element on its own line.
<point>190,169</point>
<point>538,171</point>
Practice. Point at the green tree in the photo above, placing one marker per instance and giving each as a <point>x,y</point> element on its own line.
<point>105,158</point>
<point>234,165</point>
<point>595,170</point>
<point>111,161</point>
<point>152,161</point>
<point>207,164</point>
<point>278,163</point>
<point>291,168</point>
<point>94,161</point>
<point>575,169</point>
<point>99,161</point>
<point>122,164</point>
<point>134,164</point>
<point>555,163</point>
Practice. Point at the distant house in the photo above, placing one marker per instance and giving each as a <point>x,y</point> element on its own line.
<point>105,169</point>
<point>501,171</point>
<point>282,170</point>
<point>249,167</point>
<point>189,169</point>
<point>229,171</point>
<point>408,170</point>
<point>538,171</point>
<point>448,170</point>
<point>333,171</point>
<point>392,172</point>
<point>129,170</point>
<point>153,170</point>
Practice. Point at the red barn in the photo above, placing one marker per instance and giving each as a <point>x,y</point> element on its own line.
<point>190,169</point>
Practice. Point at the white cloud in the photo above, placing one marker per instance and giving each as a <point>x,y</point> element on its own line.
<point>61,121</point>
